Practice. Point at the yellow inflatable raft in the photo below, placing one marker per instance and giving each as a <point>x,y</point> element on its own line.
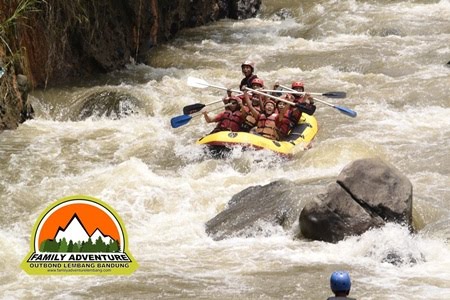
<point>301,137</point>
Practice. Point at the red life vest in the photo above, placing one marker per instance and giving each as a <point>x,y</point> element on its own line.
<point>267,126</point>
<point>228,120</point>
<point>294,116</point>
<point>285,125</point>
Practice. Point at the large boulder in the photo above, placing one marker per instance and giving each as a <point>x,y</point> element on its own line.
<point>252,211</point>
<point>367,194</point>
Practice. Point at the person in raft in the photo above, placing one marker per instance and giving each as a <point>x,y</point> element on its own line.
<point>306,103</point>
<point>268,120</point>
<point>256,99</point>
<point>230,119</point>
<point>285,125</point>
<point>248,69</point>
<point>306,100</point>
<point>340,285</point>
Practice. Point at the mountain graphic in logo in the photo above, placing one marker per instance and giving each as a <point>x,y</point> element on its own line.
<point>79,235</point>
<point>75,232</point>
<point>79,227</point>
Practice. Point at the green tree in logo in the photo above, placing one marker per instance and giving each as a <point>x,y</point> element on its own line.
<point>87,246</point>
<point>69,247</point>
<point>63,246</point>
<point>76,247</point>
<point>49,246</point>
<point>113,246</point>
<point>100,245</point>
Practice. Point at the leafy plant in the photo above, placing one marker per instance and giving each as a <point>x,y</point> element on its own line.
<point>7,27</point>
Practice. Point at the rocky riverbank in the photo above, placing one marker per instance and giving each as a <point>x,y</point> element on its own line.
<point>47,43</point>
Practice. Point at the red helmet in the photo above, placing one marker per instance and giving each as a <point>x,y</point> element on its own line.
<point>258,81</point>
<point>298,84</point>
<point>234,98</point>
<point>249,63</point>
<point>270,101</point>
<point>230,98</point>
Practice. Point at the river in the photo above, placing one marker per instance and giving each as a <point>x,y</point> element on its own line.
<point>388,56</point>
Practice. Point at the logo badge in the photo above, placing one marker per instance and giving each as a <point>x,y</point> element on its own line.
<point>79,235</point>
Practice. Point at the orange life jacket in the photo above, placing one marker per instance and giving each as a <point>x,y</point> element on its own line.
<point>267,126</point>
<point>249,121</point>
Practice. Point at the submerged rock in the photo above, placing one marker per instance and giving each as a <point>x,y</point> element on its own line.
<point>386,31</point>
<point>395,258</point>
<point>110,104</point>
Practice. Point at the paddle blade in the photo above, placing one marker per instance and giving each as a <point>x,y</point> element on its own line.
<point>197,82</point>
<point>193,108</point>
<point>180,120</point>
<point>346,111</point>
<point>335,94</point>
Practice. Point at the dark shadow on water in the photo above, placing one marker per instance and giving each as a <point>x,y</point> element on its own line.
<point>218,152</point>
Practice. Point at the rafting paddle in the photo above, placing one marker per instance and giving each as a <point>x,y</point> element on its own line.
<point>200,83</point>
<point>301,106</point>
<point>272,96</point>
<point>184,119</point>
<point>196,107</point>
<point>344,110</point>
<point>327,94</point>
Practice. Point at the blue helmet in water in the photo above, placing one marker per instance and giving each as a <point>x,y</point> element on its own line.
<point>340,282</point>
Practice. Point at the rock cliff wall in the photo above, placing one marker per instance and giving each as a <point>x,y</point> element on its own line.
<point>52,42</point>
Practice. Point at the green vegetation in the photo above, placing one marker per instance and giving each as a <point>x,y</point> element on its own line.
<point>8,24</point>
<point>24,21</point>
<point>88,246</point>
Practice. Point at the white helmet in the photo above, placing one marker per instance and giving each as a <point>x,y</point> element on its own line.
<point>249,63</point>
